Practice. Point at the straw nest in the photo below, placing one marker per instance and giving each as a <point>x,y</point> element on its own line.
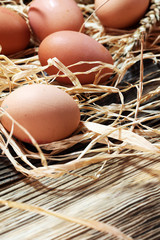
<point>112,125</point>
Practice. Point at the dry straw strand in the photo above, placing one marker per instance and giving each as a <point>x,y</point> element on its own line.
<point>147,24</point>
<point>99,226</point>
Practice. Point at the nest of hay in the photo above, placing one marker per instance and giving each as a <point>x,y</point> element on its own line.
<point>118,118</point>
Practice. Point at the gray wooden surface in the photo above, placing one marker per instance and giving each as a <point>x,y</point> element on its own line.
<point>127,195</point>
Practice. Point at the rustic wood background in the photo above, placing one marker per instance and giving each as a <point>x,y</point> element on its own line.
<point>126,195</point>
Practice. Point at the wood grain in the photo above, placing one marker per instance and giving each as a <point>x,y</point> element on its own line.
<point>127,195</point>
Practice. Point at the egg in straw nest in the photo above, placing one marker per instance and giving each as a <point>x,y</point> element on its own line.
<point>118,117</point>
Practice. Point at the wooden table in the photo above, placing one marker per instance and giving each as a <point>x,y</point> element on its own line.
<point>126,195</point>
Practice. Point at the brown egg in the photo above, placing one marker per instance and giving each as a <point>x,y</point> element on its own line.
<point>71,47</point>
<point>14,32</point>
<point>48,16</point>
<point>47,112</point>
<point>120,13</point>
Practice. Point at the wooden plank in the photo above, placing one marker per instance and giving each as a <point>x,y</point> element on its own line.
<point>8,174</point>
<point>127,195</point>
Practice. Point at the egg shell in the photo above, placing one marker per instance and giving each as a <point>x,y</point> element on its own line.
<point>47,112</point>
<point>120,14</point>
<point>48,16</point>
<point>71,47</point>
<point>14,32</point>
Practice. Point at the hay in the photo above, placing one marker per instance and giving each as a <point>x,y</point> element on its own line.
<point>117,138</point>
<point>127,127</point>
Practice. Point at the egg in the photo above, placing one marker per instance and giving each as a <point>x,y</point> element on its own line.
<point>14,32</point>
<point>48,16</point>
<point>120,14</point>
<point>71,47</point>
<point>45,111</point>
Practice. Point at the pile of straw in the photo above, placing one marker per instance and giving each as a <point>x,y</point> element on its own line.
<point>119,119</point>
<point>108,129</point>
